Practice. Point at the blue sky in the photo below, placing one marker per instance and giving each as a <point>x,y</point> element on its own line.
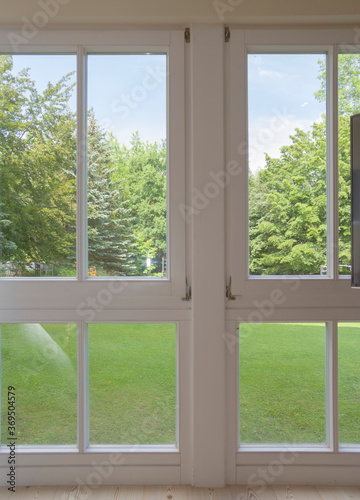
<point>281,90</point>
<point>127,92</point>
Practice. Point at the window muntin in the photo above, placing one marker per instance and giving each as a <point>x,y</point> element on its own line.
<point>287,132</point>
<point>282,383</point>
<point>40,362</point>
<point>132,384</point>
<point>127,164</point>
<point>38,165</point>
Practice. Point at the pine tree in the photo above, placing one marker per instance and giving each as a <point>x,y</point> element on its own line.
<point>110,239</point>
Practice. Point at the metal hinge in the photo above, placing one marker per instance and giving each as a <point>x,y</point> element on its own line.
<point>229,295</point>
<point>227,33</point>
<point>187,297</point>
<point>187,35</point>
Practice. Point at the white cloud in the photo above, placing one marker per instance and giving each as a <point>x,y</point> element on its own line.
<point>272,73</point>
<point>304,104</point>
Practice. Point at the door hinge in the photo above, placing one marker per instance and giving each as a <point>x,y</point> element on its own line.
<point>229,295</point>
<point>227,33</point>
<point>187,297</point>
<point>187,35</point>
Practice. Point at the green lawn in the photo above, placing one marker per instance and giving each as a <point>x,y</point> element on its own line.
<point>349,382</point>
<point>40,362</point>
<point>132,388</point>
<point>282,383</point>
<point>132,382</point>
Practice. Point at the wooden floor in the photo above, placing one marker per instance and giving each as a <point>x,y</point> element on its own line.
<point>181,493</point>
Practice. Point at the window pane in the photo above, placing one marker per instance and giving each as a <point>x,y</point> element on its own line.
<point>287,164</point>
<point>349,382</point>
<point>39,361</point>
<point>127,166</point>
<point>132,379</point>
<point>37,165</point>
<point>282,383</point>
<point>349,104</point>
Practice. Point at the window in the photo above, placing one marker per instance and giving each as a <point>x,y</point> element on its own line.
<point>86,166</point>
<point>38,165</point>
<point>154,386</point>
<point>348,104</point>
<point>282,383</point>
<point>287,133</point>
<point>39,361</point>
<point>132,371</point>
<point>92,166</point>
<point>127,164</point>
<point>348,383</point>
<point>291,332</point>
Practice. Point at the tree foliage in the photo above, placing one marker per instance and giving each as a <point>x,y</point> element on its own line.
<point>110,239</point>
<point>288,200</point>
<point>126,202</point>
<point>143,168</point>
<point>37,168</point>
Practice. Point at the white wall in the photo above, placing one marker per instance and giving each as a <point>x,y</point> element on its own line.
<point>115,12</point>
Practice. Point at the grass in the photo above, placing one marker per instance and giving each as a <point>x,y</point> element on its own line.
<point>132,389</point>
<point>132,385</point>
<point>282,383</point>
<point>131,378</point>
<point>40,362</point>
<point>349,382</point>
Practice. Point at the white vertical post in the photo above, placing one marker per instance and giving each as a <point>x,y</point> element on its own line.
<point>83,387</point>
<point>332,385</point>
<point>81,222</point>
<point>208,255</point>
<point>332,165</point>
<point>232,391</point>
<point>237,156</point>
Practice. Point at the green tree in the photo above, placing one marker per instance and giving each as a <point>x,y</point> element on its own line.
<point>37,168</point>
<point>38,181</point>
<point>142,167</point>
<point>287,204</point>
<point>110,239</point>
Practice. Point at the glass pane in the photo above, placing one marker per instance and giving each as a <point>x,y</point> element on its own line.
<point>287,164</point>
<point>282,383</point>
<point>39,361</point>
<point>37,165</point>
<point>127,165</point>
<point>349,104</point>
<point>349,382</point>
<point>132,379</point>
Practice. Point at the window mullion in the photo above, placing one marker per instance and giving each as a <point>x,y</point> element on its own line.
<point>332,166</point>
<point>81,164</point>
<point>331,386</point>
<point>83,427</point>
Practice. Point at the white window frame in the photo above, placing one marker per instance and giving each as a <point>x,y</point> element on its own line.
<point>287,41</point>
<point>117,300</point>
<point>327,299</point>
<point>116,41</point>
<point>208,455</point>
<point>151,463</point>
